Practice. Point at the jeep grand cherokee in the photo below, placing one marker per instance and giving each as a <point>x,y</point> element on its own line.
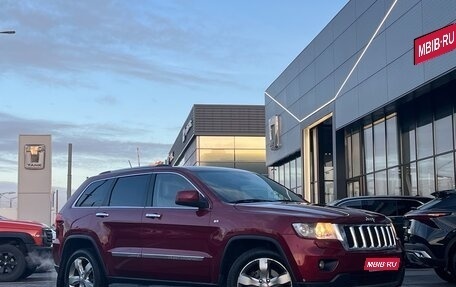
<point>216,226</point>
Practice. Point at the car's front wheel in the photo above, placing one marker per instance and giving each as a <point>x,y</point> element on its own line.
<point>259,267</point>
<point>83,269</point>
<point>445,274</point>
<point>12,263</point>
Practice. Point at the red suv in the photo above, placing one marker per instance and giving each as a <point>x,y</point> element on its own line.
<point>216,226</point>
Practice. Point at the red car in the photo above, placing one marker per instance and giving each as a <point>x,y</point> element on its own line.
<point>216,226</point>
<point>23,247</point>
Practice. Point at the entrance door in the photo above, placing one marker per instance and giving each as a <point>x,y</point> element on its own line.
<point>321,163</point>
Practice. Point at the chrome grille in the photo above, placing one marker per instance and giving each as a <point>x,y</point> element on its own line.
<point>369,236</point>
<point>47,237</point>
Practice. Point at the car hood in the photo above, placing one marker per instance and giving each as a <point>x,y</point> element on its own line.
<point>18,224</point>
<point>316,212</point>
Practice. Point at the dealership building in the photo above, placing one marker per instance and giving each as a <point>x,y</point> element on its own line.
<point>368,107</point>
<point>222,135</point>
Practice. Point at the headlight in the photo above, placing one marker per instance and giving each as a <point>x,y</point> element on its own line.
<point>319,230</point>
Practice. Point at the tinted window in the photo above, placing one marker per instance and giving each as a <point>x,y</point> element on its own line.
<point>385,207</point>
<point>95,194</point>
<point>404,206</point>
<point>166,187</point>
<point>441,202</point>
<point>236,186</point>
<point>352,204</point>
<point>130,191</point>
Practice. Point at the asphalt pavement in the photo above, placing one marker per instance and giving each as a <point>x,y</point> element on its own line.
<point>413,278</point>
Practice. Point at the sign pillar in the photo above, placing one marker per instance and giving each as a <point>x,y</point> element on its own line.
<point>34,178</point>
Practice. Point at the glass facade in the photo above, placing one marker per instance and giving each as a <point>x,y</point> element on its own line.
<point>244,152</point>
<point>409,152</point>
<point>288,174</point>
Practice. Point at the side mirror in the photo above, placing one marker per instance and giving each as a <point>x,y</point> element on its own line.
<point>191,198</point>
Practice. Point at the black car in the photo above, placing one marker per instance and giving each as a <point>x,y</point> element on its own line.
<point>392,206</point>
<point>431,235</point>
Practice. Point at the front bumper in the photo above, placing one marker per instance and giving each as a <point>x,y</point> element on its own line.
<point>419,254</point>
<point>362,279</point>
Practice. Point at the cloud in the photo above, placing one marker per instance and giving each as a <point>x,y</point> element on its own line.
<point>95,142</point>
<point>115,37</point>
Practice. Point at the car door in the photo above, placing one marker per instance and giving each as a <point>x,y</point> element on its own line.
<point>175,238</point>
<point>120,224</point>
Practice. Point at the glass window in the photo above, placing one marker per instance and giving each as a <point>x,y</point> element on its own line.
<point>444,167</point>
<point>356,154</point>
<point>252,155</point>
<point>287,175</point>
<point>409,181</point>
<point>166,187</point>
<point>404,206</point>
<point>348,148</point>
<point>386,207</point>
<point>369,150</point>
<point>370,184</point>
<point>130,191</point>
<point>426,177</point>
<point>216,142</point>
<point>394,181</point>
<point>381,184</point>
<point>441,130</point>
<point>293,174</point>
<point>298,172</point>
<point>249,143</point>
<point>258,167</point>
<point>95,194</point>
<point>352,204</point>
<point>379,146</point>
<point>392,142</point>
<point>424,141</point>
<point>218,163</point>
<point>216,155</point>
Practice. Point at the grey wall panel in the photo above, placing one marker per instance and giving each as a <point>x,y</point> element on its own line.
<point>400,35</point>
<point>368,22</point>
<point>437,66</point>
<point>323,40</point>
<point>372,93</point>
<point>345,18</point>
<point>345,46</point>
<point>437,16</point>
<point>293,93</point>
<point>403,76</point>
<point>346,106</point>
<point>306,79</point>
<point>374,58</point>
<point>402,7</point>
<point>324,64</point>
<point>325,90</point>
<point>362,5</point>
<point>342,72</point>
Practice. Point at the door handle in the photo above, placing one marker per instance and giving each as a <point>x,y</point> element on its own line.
<point>153,215</point>
<point>101,214</point>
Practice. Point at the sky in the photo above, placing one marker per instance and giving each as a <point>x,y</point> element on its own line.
<point>117,79</point>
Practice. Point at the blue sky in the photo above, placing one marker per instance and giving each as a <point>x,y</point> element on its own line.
<point>114,77</point>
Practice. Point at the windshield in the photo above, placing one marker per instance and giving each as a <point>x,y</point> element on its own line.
<point>239,186</point>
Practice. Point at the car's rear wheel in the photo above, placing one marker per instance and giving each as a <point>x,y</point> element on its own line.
<point>83,269</point>
<point>12,263</point>
<point>259,267</point>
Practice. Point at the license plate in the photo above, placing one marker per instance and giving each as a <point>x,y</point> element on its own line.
<point>382,264</point>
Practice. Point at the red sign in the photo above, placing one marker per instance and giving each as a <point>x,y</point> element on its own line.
<point>434,44</point>
<point>382,264</point>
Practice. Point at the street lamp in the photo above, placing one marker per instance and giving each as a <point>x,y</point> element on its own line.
<point>8,32</point>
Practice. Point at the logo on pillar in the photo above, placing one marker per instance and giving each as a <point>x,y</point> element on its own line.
<point>34,156</point>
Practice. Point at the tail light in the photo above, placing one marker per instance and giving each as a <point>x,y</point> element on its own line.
<point>58,225</point>
<point>427,218</point>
